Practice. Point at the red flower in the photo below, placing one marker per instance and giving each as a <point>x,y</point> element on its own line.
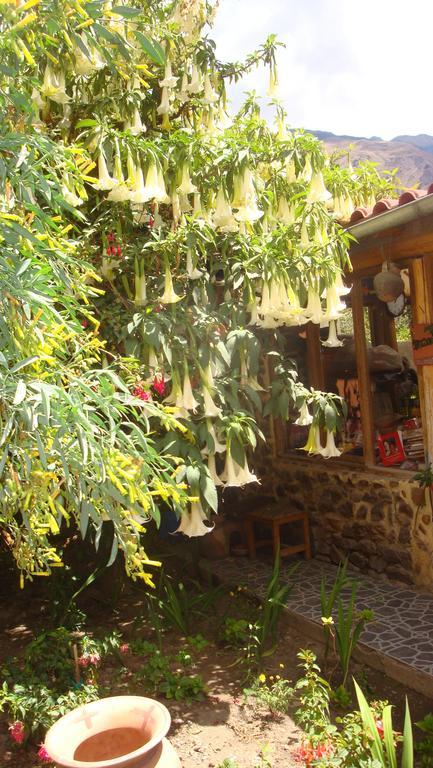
<point>379,726</point>
<point>124,648</point>
<point>141,393</point>
<point>158,385</point>
<point>17,731</point>
<point>43,754</point>
<point>307,754</point>
<point>119,250</point>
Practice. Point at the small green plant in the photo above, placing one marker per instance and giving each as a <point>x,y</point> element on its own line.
<point>382,744</point>
<point>346,631</point>
<point>364,738</point>
<point>327,601</point>
<point>164,674</point>
<point>275,693</point>
<point>180,606</point>
<point>272,606</point>
<point>236,632</point>
<point>425,748</point>
<point>228,763</point>
<point>198,642</point>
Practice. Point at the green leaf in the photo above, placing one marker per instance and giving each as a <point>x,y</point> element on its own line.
<point>20,392</point>
<point>407,756</point>
<point>22,363</point>
<point>87,123</point>
<point>153,49</point>
<point>209,492</point>
<point>126,11</point>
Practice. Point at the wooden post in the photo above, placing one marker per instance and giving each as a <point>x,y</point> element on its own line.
<point>364,382</point>
<point>422,312</point>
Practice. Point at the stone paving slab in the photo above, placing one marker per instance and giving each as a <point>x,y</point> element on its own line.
<point>402,629</point>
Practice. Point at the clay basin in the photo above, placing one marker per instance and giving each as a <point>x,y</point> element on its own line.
<point>109,733</point>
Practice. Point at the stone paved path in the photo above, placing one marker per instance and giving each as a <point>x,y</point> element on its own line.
<point>403,624</point>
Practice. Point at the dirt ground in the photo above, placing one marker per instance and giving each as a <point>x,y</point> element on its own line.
<point>206,732</point>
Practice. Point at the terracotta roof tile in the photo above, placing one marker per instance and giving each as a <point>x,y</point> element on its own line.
<point>387,203</point>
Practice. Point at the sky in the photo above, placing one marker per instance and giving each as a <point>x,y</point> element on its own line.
<point>362,69</point>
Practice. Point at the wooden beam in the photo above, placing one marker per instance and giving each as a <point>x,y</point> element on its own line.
<point>364,382</point>
<point>422,312</point>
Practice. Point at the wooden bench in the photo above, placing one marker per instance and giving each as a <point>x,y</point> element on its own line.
<point>275,519</point>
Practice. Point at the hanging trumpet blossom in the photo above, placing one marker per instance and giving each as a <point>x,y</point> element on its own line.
<point>153,188</point>
<point>244,474</point>
<point>305,418</point>
<point>211,465</point>
<point>311,444</point>
<point>313,310</point>
<point>285,213</point>
<point>85,65</point>
<point>332,340</point>
<point>68,191</point>
<point>291,170</point>
<point>135,126</point>
<point>169,296</point>
<point>342,290</point>
<point>304,241</point>
<point>211,410</point>
<point>334,306</point>
<point>53,86</point>
<point>183,96</point>
<point>191,270</point>
<point>236,476</point>
<point>192,522</point>
<point>196,84</point>
<point>140,285</point>
<point>186,186</point>
<point>120,191</point>
<point>307,171</point>
<point>175,395</point>
<point>164,107</point>
<point>223,218</point>
<point>217,446</point>
<point>273,88</point>
<point>210,94</point>
<point>169,81</point>
<point>105,181</point>
<point>188,400</point>
<point>177,213</point>
<point>330,450</point>
<point>318,192</point>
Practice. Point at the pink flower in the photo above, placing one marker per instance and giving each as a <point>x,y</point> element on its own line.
<point>124,648</point>
<point>158,384</point>
<point>141,393</point>
<point>17,731</point>
<point>94,658</point>
<point>83,661</point>
<point>43,754</point>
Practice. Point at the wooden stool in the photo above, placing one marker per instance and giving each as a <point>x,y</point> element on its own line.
<point>275,519</point>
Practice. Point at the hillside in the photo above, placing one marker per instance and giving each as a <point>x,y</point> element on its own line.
<point>412,155</point>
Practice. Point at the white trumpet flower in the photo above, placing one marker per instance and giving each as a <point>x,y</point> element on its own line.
<point>183,93</point>
<point>136,126</point>
<point>318,192</point>
<point>307,170</point>
<point>244,474</point>
<point>152,361</point>
<point>85,65</point>
<point>332,340</point>
<point>164,107</point>
<point>342,290</point>
<point>304,241</point>
<point>192,522</point>
<point>290,171</point>
<point>139,192</point>
<point>192,272</point>
<point>305,418</point>
<point>318,444</point>
<point>186,186</point>
<point>188,400</point>
<point>218,447</point>
<point>169,81</point>
<point>273,89</point>
<point>223,217</point>
<point>140,289</point>
<point>330,450</point>
<point>176,390</point>
<point>69,193</point>
<point>196,84</point>
<point>105,181</point>
<point>285,213</point>
<point>177,213</point>
<point>249,213</point>
<point>211,465</point>
<point>210,94</point>
<point>169,296</point>
<point>211,410</point>
<point>185,205</point>
<point>53,86</point>
<point>334,305</point>
<point>120,191</point>
<point>313,310</point>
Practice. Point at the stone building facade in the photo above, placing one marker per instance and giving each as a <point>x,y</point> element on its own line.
<point>381,521</point>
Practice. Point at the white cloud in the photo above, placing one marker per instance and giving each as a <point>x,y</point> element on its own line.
<point>360,69</point>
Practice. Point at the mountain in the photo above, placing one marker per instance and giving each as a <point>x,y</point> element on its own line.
<point>412,155</point>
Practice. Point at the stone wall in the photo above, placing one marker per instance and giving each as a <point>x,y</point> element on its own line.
<point>381,522</point>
